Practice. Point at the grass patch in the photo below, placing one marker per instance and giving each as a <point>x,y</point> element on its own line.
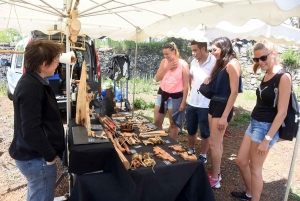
<point>240,120</point>
<point>295,193</point>
<point>140,103</point>
<point>3,89</point>
<point>248,96</point>
<point>144,86</point>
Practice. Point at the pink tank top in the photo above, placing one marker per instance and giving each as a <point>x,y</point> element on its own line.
<point>172,81</point>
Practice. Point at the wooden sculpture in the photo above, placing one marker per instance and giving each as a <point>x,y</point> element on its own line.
<point>110,130</point>
<point>83,102</point>
<point>162,154</point>
<point>177,148</point>
<point>187,157</point>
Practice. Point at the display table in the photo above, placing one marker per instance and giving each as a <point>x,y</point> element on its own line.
<point>180,181</point>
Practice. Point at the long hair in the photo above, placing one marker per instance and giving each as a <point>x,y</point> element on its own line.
<point>227,53</point>
<point>264,44</point>
<point>172,46</point>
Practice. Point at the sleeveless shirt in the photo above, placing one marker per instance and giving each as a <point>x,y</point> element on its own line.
<point>265,109</point>
<point>221,84</point>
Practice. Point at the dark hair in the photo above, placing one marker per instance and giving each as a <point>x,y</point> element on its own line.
<point>227,53</point>
<point>199,44</point>
<point>41,51</point>
<point>172,46</point>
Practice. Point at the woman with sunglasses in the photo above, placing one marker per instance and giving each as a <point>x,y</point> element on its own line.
<point>225,79</point>
<point>173,75</point>
<point>266,118</point>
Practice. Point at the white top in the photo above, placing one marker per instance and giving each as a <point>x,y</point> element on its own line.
<point>199,73</point>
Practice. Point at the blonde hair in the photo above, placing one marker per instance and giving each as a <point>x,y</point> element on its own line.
<point>264,44</point>
<point>173,47</point>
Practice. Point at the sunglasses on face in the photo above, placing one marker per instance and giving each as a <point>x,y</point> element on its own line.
<point>262,58</point>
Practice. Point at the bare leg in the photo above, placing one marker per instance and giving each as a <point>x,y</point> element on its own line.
<point>204,145</point>
<point>256,164</point>
<point>215,144</point>
<point>173,128</point>
<point>242,162</point>
<point>192,140</point>
<point>158,117</point>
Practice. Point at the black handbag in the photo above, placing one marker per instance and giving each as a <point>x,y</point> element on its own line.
<point>205,90</point>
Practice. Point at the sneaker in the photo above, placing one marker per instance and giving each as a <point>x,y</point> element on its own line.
<point>214,183</point>
<point>210,175</point>
<point>202,159</point>
<point>240,195</point>
<point>191,151</point>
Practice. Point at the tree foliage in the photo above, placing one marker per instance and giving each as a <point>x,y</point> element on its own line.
<point>9,36</point>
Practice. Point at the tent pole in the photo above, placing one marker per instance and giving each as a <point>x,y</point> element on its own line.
<point>288,185</point>
<point>68,68</point>
<point>134,71</point>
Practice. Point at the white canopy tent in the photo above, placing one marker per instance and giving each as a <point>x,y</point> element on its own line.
<point>254,29</point>
<point>139,19</point>
<point>120,19</point>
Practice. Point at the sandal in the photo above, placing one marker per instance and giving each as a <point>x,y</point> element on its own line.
<point>191,151</point>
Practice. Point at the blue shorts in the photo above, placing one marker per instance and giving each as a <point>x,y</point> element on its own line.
<point>167,105</point>
<point>197,116</point>
<point>257,131</point>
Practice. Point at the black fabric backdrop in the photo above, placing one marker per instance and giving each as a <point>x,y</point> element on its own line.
<point>181,181</point>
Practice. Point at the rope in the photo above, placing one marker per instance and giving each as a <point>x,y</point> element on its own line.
<point>8,18</point>
<point>18,22</point>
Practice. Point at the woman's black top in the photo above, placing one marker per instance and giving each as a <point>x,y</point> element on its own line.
<point>265,109</point>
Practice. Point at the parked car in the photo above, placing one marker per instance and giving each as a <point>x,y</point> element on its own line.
<point>4,62</point>
<point>84,50</point>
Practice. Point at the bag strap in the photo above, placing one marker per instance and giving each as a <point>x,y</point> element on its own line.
<point>278,76</point>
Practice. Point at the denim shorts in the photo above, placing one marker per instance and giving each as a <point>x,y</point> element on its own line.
<point>197,116</point>
<point>257,131</point>
<point>40,177</point>
<point>216,109</point>
<point>167,105</point>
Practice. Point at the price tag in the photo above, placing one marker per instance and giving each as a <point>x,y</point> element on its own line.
<point>91,140</point>
<point>133,151</point>
<point>137,146</point>
<point>174,153</point>
<point>167,162</point>
<point>167,141</point>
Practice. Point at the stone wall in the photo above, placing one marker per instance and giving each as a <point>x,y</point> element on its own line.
<point>149,59</point>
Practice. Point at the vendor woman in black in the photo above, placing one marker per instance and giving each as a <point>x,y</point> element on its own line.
<point>266,118</point>
<point>38,129</point>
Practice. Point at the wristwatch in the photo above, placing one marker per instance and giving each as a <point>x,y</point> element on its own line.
<point>268,137</point>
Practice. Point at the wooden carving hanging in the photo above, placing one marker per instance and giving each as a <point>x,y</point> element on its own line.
<point>74,24</point>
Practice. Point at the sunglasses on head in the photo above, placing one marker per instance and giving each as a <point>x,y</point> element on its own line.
<point>262,58</point>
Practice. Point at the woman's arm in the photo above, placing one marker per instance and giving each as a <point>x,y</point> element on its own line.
<point>234,72</point>
<point>185,81</point>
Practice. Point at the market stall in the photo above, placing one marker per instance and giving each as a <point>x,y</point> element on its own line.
<point>100,172</point>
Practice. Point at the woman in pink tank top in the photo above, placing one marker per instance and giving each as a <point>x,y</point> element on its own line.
<point>173,75</point>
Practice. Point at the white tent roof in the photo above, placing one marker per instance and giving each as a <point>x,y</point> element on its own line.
<point>254,29</point>
<point>119,19</point>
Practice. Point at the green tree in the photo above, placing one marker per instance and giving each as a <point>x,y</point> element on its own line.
<point>9,36</point>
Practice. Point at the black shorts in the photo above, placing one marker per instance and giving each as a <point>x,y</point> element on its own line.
<point>216,109</point>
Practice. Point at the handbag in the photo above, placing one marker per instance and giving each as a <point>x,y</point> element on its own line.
<point>205,90</point>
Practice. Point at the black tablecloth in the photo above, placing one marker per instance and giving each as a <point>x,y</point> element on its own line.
<point>180,181</point>
<point>90,157</point>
